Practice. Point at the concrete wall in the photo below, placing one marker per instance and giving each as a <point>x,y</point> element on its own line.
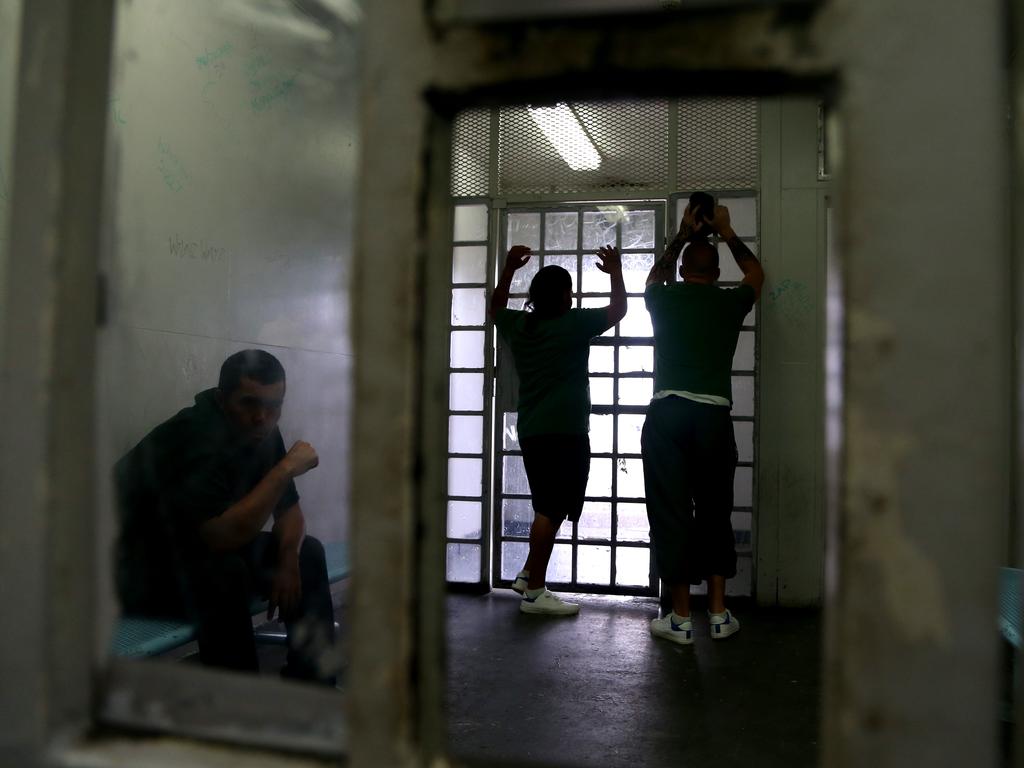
<point>231,157</point>
<point>790,524</point>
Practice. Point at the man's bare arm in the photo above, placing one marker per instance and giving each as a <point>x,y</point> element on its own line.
<point>664,269</point>
<point>286,587</point>
<point>240,522</point>
<point>753,273</point>
<point>517,257</point>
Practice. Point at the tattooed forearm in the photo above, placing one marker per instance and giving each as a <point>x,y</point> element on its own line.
<point>740,251</point>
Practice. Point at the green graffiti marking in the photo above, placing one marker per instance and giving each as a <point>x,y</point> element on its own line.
<point>210,58</point>
<point>172,169</point>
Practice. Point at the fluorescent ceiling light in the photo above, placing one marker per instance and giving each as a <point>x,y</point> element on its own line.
<point>566,134</point>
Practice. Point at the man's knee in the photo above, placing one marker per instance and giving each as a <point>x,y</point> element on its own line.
<point>224,574</point>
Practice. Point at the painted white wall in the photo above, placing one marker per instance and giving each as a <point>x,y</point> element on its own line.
<point>789,531</point>
<point>231,152</point>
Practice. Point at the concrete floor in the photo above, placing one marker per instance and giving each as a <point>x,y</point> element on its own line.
<point>597,689</point>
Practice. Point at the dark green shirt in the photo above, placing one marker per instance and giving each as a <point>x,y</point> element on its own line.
<point>696,328</point>
<point>185,471</point>
<point>552,359</point>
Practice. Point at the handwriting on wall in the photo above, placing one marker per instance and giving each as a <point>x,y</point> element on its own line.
<point>195,250</point>
<point>172,169</point>
<point>793,301</point>
<point>268,84</point>
<point>115,111</point>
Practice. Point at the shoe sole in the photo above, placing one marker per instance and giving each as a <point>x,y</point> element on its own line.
<point>528,608</point>
<point>672,637</point>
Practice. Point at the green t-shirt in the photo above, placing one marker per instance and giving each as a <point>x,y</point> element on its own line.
<point>695,332</point>
<point>552,359</point>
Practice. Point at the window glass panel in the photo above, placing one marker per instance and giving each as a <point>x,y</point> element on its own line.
<point>598,229</point>
<point>517,302</point>
<point>743,360</point>
<point>635,391</point>
<point>632,567</point>
<point>513,558</point>
<point>513,478</point>
<point>510,432</point>
<point>464,563</point>
<point>742,214</point>
<point>635,268</point>
<point>524,229</point>
<point>630,427</point>
<point>634,359</point>
<point>633,524</point>
<point>594,280</point>
<point>742,395</point>
<point>727,262</point>
<point>464,477</point>
<point>600,482</point>
<point>516,517</point>
<point>524,276</point>
<point>602,359</point>
<point>600,390</point>
<point>564,532</point>
<point>568,263</point>
<point>464,518</point>
<point>744,431</point>
<point>560,231</point>
<point>466,392</point>
<point>637,321</point>
<point>594,565</point>
<point>469,264</point>
<point>638,229</point>
<point>601,433</point>
<point>468,306</point>
<point>470,223</point>
<point>742,523</point>
<point>630,478</point>
<point>560,564</point>
<point>467,349</point>
<point>465,434</point>
<point>751,318</point>
<point>596,521</point>
<point>743,487</point>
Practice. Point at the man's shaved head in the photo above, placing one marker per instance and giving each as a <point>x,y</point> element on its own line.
<point>700,259</point>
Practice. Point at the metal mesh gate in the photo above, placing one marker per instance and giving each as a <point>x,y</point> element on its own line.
<point>628,149</point>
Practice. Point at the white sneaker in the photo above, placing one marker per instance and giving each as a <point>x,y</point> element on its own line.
<point>668,629</point>
<point>723,625</point>
<point>520,583</point>
<point>548,603</point>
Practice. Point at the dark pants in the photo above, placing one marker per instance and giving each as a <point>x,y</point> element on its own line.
<point>689,454</point>
<point>221,587</point>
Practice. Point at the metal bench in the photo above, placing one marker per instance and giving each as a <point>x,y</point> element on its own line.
<point>138,637</point>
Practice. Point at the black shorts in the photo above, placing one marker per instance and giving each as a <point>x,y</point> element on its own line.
<point>557,467</point>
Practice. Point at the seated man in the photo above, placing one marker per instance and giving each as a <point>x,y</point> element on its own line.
<point>194,496</point>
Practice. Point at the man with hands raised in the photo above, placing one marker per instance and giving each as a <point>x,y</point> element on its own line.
<point>687,444</point>
<point>550,345</point>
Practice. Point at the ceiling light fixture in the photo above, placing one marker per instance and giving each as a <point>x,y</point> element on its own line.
<point>562,128</point>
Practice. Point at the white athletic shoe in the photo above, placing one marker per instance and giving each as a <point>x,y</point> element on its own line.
<point>548,603</point>
<point>665,627</point>
<point>723,625</point>
<point>520,583</point>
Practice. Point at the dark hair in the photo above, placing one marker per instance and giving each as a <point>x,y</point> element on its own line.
<point>254,364</point>
<point>702,205</point>
<point>547,289</point>
<point>700,258</point>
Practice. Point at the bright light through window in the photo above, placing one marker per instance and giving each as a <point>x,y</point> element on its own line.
<point>566,134</point>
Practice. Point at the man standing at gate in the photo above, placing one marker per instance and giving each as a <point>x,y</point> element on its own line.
<point>688,446</point>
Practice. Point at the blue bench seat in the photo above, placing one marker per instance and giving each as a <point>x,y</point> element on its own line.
<point>139,637</point>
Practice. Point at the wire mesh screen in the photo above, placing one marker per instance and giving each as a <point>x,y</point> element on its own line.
<point>620,146</point>
<point>718,144</point>
<point>607,148</point>
<point>470,153</point>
